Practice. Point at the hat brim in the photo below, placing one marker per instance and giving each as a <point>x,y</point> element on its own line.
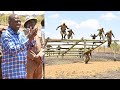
<point>25,24</point>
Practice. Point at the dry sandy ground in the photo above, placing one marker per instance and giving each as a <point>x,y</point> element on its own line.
<point>75,68</point>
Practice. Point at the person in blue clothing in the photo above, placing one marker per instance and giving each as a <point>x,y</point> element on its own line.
<point>14,49</point>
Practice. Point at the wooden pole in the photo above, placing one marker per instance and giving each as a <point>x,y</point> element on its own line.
<point>84,45</point>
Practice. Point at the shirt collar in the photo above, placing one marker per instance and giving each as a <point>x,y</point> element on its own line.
<point>13,32</point>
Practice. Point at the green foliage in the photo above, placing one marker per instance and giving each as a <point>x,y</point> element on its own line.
<point>4,18</point>
<point>115,46</point>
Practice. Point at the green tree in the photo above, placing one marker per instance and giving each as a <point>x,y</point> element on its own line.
<point>115,46</point>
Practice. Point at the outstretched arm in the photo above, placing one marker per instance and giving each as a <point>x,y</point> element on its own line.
<point>73,32</point>
<point>58,27</point>
<point>113,35</point>
<point>96,35</point>
<point>67,27</point>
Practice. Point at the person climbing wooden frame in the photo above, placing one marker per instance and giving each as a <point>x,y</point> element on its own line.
<point>93,37</point>
<point>70,34</point>
<point>63,30</point>
<point>101,32</point>
<point>109,37</point>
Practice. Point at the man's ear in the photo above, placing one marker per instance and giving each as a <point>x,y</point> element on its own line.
<point>9,22</point>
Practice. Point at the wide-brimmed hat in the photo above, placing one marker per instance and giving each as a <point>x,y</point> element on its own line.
<point>29,18</point>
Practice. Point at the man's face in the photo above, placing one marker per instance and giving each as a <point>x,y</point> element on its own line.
<point>16,22</point>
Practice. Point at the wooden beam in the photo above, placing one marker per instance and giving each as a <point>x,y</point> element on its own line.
<point>68,51</point>
<point>46,41</point>
<point>65,55</point>
<point>71,47</point>
<point>76,40</point>
<point>66,40</point>
<point>68,48</point>
<point>64,51</point>
<point>72,44</point>
<point>95,47</point>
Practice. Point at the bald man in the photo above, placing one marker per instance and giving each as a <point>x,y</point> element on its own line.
<point>14,49</point>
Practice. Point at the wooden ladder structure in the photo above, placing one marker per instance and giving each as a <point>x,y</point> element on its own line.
<point>71,47</point>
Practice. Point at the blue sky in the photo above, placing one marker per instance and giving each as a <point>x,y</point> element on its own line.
<point>83,23</point>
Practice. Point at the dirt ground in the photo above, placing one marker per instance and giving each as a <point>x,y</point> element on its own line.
<point>101,66</point>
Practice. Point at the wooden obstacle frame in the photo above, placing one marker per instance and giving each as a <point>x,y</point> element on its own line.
<point>71,47</point>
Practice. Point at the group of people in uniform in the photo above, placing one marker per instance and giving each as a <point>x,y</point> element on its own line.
<point>63,32</point>
<point>101,34</point>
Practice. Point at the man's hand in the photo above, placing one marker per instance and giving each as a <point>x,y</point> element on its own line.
<point>37,59</point>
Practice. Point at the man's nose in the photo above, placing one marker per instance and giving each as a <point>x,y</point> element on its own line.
<point>19,22</point>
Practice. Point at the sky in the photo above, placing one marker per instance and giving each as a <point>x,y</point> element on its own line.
<point>83,23</point>
<point>24,12</point>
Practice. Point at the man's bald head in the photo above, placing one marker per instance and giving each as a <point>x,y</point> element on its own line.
<point>11,17</point>
<point>14,21</point>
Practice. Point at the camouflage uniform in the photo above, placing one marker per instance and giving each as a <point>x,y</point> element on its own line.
<point>93,37</point>
<point>87,56</point>
<point>101,32</point>
<point>109,37</point>
<point>63,30</point>
<point>70,32</point>
<point>58,48</point>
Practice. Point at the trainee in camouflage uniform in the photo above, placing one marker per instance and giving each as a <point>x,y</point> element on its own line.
<point>58,49</point>
<point>93,37</point>
<point>101,32</point>
<point>63,30</point>
<point>70,33</point>
<point>109,37</point>
<point>87,56</point>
